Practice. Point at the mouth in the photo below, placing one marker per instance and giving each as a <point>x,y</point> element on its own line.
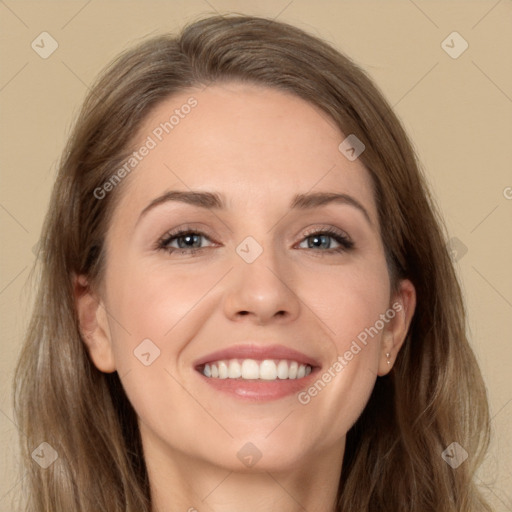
<point>257,373</point>
<point>251,369</point>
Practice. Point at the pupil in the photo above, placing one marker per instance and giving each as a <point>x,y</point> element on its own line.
<point>320,241</point>
<point>189,241</point>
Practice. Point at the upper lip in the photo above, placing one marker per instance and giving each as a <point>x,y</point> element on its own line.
<point>257,352</point>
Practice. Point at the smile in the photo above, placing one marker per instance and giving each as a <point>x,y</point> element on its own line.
<point>257,372</point>
<point>251,369</point>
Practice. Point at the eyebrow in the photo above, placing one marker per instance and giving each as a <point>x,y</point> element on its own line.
<point>213,201</point>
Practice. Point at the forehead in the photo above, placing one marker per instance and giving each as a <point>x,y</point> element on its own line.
<point>248,142</point>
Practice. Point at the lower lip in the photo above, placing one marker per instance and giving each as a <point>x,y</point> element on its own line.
<point>260,390</point>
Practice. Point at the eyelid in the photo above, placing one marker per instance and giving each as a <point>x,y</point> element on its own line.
<point>344,241</point>
<point>182,230</point>
<point>327,229</point>
<point>341,237</point>
<point>204,231</point>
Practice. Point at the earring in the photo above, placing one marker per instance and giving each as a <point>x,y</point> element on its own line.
<point>388,355</point>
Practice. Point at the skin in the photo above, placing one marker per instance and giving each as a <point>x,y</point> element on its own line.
<point>258,147</point>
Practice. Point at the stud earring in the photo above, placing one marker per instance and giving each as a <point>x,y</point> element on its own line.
<point>388,355</point>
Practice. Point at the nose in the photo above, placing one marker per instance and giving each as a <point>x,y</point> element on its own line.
<point>261,291</point>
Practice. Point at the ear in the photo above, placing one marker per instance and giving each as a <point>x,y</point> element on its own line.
<point>94,326</point>
<point>395,331</point>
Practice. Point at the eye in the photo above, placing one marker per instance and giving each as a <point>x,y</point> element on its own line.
<point>323,239</point>
<point>189,241</point>
<point>183,241</point>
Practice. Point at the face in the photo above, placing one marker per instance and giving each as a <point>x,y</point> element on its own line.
<point>249,316</point>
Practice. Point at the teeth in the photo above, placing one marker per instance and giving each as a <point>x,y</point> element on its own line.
<point>292,371</point>
<point>268,370</point>
<point>250,369</point>
<point>235,370</point>
<point>282,370</point>
<point>223,370</point>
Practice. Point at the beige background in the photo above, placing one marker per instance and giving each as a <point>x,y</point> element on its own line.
<point>457,111</point>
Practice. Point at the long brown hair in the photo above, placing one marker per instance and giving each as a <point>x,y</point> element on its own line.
<point>434,394</point>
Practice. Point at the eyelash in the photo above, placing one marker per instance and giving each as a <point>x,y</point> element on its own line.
<point>345,243</point>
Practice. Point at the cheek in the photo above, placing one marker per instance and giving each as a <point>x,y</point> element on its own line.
<point>166,304</point>
<point>160,303</point>
<point>350,302</point>
<point>347,298</point>
<point>156,315</point>
<point>171,304</point>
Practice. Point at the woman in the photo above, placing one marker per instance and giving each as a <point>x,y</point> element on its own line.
<point>246,302</point>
